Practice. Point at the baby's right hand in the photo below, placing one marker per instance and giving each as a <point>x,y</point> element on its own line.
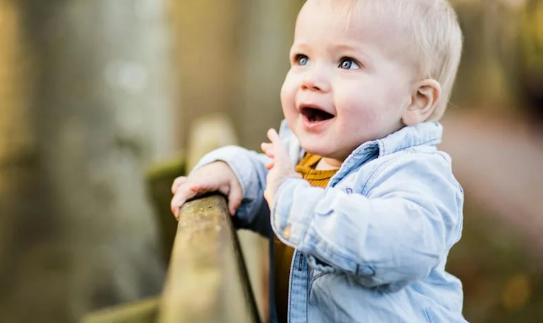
<point>217,176</point>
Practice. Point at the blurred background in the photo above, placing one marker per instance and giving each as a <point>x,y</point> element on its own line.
<point>93,93</point>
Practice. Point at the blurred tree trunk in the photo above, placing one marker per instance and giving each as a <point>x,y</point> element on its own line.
<point>207,38</point>
<point>488,74</point>
<point>268,36</point>
<point>82,116</point>
<point>233,57</point>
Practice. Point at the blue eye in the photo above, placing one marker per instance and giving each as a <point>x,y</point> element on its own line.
<point>348,64</point>
<point>302,60</point>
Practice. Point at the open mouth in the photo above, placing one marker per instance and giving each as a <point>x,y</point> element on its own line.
<point>316,115</point>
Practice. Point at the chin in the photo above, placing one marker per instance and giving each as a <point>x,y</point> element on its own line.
<point>316,150</point>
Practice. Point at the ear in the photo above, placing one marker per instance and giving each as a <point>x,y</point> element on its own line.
<point>423,102</point>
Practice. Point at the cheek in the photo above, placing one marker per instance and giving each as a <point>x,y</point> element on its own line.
<point>288,95</point>
<point>284,93</point>
<point>358,110</point>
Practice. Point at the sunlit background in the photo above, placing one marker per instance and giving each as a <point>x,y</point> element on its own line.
<point>94,93</point>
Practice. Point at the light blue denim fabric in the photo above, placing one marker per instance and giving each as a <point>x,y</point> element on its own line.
<point>372,246</point>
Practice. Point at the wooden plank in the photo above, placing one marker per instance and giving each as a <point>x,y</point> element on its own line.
<point>207,280</point>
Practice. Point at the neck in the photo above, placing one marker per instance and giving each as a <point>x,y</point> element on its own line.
<point>328,164</point>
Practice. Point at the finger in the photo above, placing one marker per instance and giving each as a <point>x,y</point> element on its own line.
<point>175,209</point>
<point>273,136</point>
<point>181,196</point>
<point>176,204</point>
<point>278,147</point>
<point>178,182</point>
<point>267,148</point>
<point>270,165</point>
<point>234,199</point>
<point>204,186</point>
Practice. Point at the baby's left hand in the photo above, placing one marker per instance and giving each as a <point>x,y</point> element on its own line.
<point>279,169</point>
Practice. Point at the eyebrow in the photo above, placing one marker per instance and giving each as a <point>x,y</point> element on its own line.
<point>340,46</point>
<point>299,45</point>
<point>348,47</point>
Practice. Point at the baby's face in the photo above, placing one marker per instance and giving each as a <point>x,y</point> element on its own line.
<point>347,84</point>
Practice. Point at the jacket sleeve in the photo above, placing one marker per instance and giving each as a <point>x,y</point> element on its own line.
<point>249,167</point>
<point>392,235</point>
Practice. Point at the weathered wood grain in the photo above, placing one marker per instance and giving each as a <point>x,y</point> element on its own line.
<point>207,280</point>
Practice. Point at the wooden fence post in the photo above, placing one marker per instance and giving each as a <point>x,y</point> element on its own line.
<point>207,279</point>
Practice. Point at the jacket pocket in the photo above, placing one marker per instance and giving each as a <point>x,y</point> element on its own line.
<point>317,275</point>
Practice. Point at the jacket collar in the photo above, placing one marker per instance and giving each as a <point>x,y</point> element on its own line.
<point>426,133</point>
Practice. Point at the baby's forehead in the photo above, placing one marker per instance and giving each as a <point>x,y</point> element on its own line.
<point>366,20</point>
<point>359,15</point>
<point>356,19</point>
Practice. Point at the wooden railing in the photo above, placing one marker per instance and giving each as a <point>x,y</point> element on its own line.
<point>207,279</point>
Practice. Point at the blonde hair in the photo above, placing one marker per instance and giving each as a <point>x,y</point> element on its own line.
<point>432,31</point>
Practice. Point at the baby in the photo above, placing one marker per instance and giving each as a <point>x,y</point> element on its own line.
<point>361,206</point>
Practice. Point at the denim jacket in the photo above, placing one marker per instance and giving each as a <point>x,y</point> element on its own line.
<point>372,246</point>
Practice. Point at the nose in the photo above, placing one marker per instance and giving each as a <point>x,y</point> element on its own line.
<point>315,80</point>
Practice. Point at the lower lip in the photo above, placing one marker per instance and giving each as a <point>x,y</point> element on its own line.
<point>316,125</point>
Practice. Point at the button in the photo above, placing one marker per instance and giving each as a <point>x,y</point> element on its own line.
<point>286,232</point>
